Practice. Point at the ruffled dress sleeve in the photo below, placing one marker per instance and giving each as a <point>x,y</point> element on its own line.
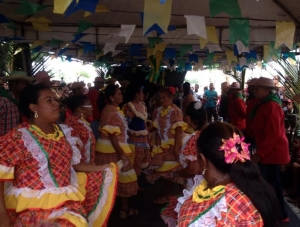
<point>188,151</point>
<point>110,123</point>
<point>11,153</point>
<point>177,120</point>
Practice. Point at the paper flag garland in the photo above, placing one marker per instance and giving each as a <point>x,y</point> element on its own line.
<point>239,29</point>
<point>193,58</point>
<point>29,8</point>
<point>210,58</point>
<point>39,23</point>
<point>38,43</point>
<point>83,25</point>
<point>291,55</point>
<point>275,53</point>
<point>266,52</point>
<point>109,47</point>
<point>196,26</point>
<point>126,31</point>
<point>86,5</point>
<point>78,37</point>
<point>157,13</point>
<point>154,40</point>
<point>99,9</point>
<point>184,49</point>
<point>88,47</point>
<point>3,19</point>
<point>214,48</point>
<point>285,32</point>
<point>60,6</point>
<point>116,52</point>
<point>149,52</point>
<point>159,47</point>
<point>230,7</point>
<point>241,48</point>
<point>230,57</point>
<point>243,62</point>
<point>252,56</point>
<point>170,53</point>
<point>80,52</point>
<point>211,37</point>
<point>135,49</point>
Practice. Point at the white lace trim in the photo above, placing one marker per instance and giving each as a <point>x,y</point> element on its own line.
<point>125,125</point>
<point>188,193</point>
<point>107,182</point>
<point>76,157</point>
<point>61,212</point>
<point>6,169</point>
<point>39,156</point>
<point>29,193</point>
<point>143,115</point>
<point>208,219</point>
<point>87,146</point>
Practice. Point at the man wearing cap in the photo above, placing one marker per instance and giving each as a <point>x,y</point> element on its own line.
<point>267,123</point>
<point>9,111</point>
<point>93,96</point>
<point>237,107</point>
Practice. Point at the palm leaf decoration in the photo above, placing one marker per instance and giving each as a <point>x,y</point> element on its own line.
<point>7,50</point>
<point>289,77</point>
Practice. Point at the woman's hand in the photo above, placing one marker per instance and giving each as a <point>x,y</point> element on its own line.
<point>126,162</point>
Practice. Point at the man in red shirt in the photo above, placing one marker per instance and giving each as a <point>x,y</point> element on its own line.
<point>237,107</point>
<point>93,96</point>
<point>267,123</point>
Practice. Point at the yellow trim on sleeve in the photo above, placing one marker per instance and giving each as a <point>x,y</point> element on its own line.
<point>167,166</point>
<point>109,129</point>
<point>127,177</point>
<point>105,147</point>
<point>75,220</point>
<point>181,124</point>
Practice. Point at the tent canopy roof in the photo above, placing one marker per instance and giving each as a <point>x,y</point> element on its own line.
<point>263,15</point>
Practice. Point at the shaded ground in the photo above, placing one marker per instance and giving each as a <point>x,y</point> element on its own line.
<point>149,213</point>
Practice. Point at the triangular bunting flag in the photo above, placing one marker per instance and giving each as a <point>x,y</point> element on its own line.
<point>126,31</point>
<point>285,32</point>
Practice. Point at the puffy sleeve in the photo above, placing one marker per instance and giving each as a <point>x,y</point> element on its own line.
<point>177,121</point>
<point>110,122</point>
<point>189,152</point>
<point>11,153</point>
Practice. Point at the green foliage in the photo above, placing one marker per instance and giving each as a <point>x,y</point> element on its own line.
<point>7,50</point>
<point>82,74</point>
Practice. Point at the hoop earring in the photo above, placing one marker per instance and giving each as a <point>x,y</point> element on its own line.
<point>203,172</point>
<point>36,114</point>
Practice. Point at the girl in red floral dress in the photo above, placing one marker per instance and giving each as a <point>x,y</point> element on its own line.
<point>231,192</point>
<point>38,161</point>
<point>197,120</point>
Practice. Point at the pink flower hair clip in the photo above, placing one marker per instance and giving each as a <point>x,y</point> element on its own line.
<point>235,149</point>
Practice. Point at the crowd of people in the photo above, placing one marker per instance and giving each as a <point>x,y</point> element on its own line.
<point>65,155</point>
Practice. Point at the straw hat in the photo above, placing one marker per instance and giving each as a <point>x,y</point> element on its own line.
<point>235,85</point>
<point>264,82</point>
<point>42,76</point>
<point>17,75</point>
<point>252,81</point>
<point>76,85</point>
<point>110,81</point>
<point>224,85</point>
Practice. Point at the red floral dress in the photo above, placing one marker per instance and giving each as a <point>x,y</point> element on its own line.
<point>113,122</point>
<point>41,184</point>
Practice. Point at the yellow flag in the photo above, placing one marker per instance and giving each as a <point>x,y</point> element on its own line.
<point>159,47</point>
<point>149,52</point>
<point>80,52</point>
<point>38,43</point>
<point>230,57</point>
<point>60,6</point>
<point>39,23</point>
<point>158,57</point>
<point>155,12</point>
<point>99,55</point>
<point>211,37</point>
<point>285,32</point>
<point>99,9</point>
<point>266,52</point>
